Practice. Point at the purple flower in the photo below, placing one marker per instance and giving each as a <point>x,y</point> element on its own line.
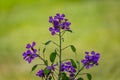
<point>52,67</point>
<point>50,19</point>
<point>90,60</point>
<point>56,24</point>
<point>40,73</point>
<point>30,54</point>
<point>65,25</point>
<point>68,68</point>
<point>53,30</point>
<point>59,22</point>
<point>29,46</point>
<point>59,17</point>
<point>72,75</point>
<point>62,67</point>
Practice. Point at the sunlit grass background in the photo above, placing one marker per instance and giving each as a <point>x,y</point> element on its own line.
<point>95,25</point>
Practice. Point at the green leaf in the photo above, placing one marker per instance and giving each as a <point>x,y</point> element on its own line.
<point>73,48</point>
<point>44,50</point>
<point>53,56</point>
<point>64,77</point>
<point>89,76</point>
<point>47,42</point>
<point>46,62</point>
<point>69,31</point>
<point>73,63</point>
<point>34,67</point>
<point>78,62</point>
<point>80,79</point>
<point>46,71</point>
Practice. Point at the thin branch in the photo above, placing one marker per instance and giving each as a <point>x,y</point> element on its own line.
<point>44,54</point>
<point>39,51</point>
<point>79,71</point>
<point>63,33</point>
<point>42,59</point>
<point>66,47</point>
<point>55,43</point>
<point>58,51</point>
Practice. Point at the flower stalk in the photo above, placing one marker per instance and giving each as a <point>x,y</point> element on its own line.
<point>60,49</point>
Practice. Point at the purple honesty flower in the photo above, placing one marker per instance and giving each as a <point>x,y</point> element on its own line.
<point>59,17</point>
<point>67,67</point>
<point>53,30</point>
<point>52,67</point>
<point>90,60</point>
<point>40,73</point>
<point>59,22</point>
<point>29,46</point>
<point>50,19</point>
<point>30,54</point>
<point>65,25</point>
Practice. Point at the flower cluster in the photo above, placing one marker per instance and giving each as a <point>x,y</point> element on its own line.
<point>50,69</point>
<point>57,68</point>
<point>67,67</point>
<point>30,54</point>
<point>90,60</point>
<point>59,22</point>
<point>40,73</point>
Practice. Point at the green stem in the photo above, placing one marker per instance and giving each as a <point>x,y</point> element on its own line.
<point>55,43</point>
<point>63,33</point>
<point>42,59</point>
<point>79,71</point>
<point>60,49</point>
<point>66,47</point>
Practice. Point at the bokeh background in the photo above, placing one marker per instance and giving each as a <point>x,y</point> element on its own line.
<point>95,25</point>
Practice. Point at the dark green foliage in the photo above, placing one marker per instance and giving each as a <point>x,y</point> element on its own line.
<point>69,31</point>
<point>44,50</point>
<point>46,62</point>
<point>53,56</point>
<point>34,67</point>
<point>73,63</point>
<point>47,42</point>
<point>64,77</point>
<point>89,76</point>
<point>80,79</point>
<point>73,48</point>
<point>46,71</point>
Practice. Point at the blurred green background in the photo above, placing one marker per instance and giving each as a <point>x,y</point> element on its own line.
<point>95,25</point>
